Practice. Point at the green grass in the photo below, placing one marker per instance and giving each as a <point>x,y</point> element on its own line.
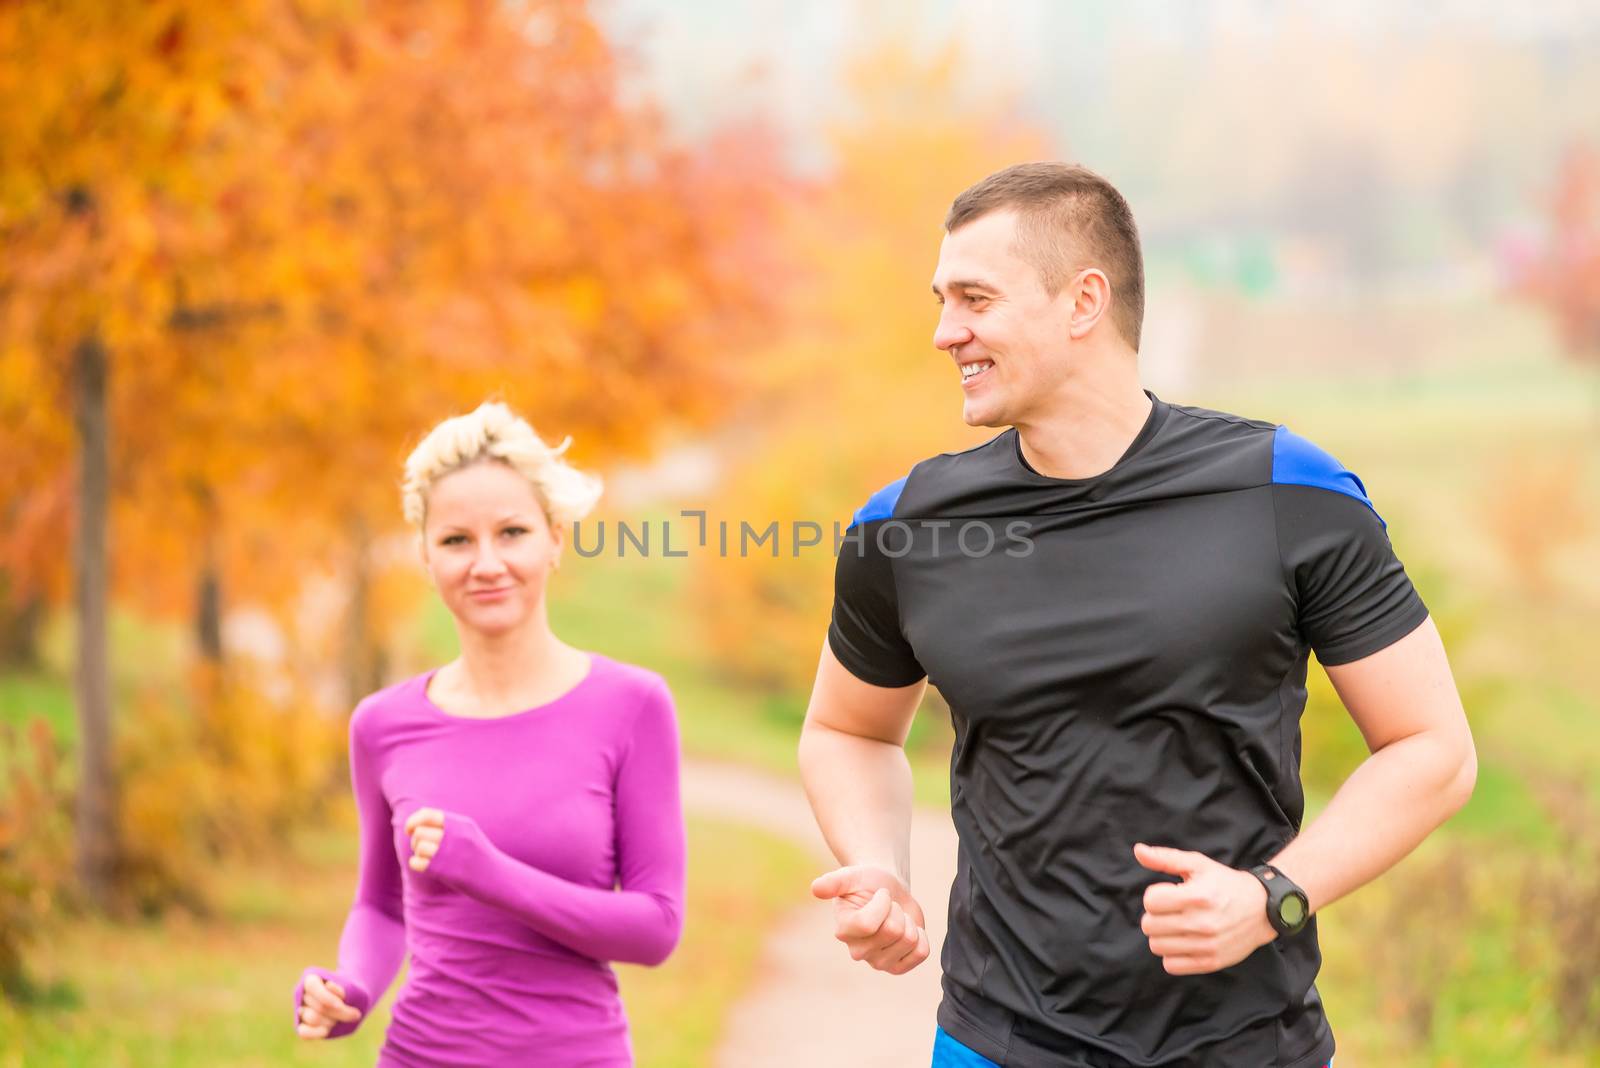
<point>187,992</point>
<point>24,697</point>
<point>25,700</point>
<point>1467,984</point>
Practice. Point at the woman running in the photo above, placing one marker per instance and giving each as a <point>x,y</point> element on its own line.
<point>519,806</point>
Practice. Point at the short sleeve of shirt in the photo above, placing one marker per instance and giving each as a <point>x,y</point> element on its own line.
<point>865,633</point>
<point>1352,594</point>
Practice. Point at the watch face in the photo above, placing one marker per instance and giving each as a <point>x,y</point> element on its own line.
<point>1292,910</point>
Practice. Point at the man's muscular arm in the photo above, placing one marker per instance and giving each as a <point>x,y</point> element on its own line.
<point>1422,769</point>
<point>854,767</point>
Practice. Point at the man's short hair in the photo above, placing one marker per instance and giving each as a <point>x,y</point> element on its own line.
<point>1068,218</point>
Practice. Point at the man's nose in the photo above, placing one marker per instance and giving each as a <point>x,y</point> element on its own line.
<point>949,332</point>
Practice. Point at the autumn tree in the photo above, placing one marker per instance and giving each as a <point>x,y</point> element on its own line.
<point>1565,277</point>
<point>254,250</point>
<point>480,213</point>
<point>113,115</point>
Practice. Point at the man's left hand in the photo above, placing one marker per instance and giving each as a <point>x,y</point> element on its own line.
<point>1213,919</point>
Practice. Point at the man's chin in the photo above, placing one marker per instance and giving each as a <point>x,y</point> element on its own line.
<point>982,415</point>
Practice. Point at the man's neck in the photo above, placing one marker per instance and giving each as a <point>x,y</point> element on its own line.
<point>1087,431</point>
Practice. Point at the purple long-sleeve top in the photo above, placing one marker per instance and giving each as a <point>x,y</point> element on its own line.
<point>563,850</point>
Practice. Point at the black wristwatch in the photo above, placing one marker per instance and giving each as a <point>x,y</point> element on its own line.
<point>1288,909</point>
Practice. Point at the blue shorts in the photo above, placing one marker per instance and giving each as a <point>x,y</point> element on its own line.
<point>948,1053</point>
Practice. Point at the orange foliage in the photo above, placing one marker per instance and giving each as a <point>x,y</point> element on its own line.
<point>854,391</point>
<point>301,232</point>
<point>35,842</point>
<point>307,230</point>
<point>231,770</point>
<point>1531,514</point>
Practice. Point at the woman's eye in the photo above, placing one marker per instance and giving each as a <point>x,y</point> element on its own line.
<point>453,539</point>
<point>514,531</point>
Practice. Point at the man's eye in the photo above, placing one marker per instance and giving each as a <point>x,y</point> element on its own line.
<point>977,300</point>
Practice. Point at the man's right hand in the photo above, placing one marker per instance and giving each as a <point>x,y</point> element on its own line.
<point>876,916</point>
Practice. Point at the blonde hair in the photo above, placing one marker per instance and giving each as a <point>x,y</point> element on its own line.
<point>494,432</point>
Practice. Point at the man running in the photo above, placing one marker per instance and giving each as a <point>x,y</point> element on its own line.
<point>1116,596</point>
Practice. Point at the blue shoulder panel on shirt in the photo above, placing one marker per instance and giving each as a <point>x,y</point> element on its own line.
<point>1297,462</point>
<point>881,504</point>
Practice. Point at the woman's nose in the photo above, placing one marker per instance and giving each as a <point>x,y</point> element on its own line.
<point>487,561</point>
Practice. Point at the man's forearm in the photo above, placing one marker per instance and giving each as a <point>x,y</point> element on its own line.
<point>1394,800</point>
<point>860,791</point>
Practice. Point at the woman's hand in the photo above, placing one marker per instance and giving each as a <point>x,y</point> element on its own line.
<point>450,847</point>
<point>426,828</point>
<point>322,1007</point>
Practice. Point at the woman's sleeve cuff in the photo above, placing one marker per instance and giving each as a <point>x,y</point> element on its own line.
<point>355,995</point>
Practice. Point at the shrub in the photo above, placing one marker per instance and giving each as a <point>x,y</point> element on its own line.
<point>228,771</point>
<point>35,842</point>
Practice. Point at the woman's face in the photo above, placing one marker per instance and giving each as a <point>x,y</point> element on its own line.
<point>488,546</point>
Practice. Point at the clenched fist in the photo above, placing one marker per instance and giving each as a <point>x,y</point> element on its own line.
<point>876,916</point>
<point>322,1007</point>
<point>1212,920</point>
<point>426,828</point>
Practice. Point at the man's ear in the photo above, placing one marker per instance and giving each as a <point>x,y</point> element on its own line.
<point>1091,300</point>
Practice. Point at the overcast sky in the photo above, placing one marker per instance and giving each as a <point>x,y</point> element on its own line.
<point>709,59</point>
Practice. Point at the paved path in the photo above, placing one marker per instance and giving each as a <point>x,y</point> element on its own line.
<point>811,1004</point>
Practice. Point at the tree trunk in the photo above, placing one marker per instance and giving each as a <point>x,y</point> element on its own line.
<point>208,590</point>
<point>20,620</point>
<point>208,615</point>
<point>97,836</point>
<point>365,664</point>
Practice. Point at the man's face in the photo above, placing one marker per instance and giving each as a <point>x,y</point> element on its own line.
<point>1008,337</point>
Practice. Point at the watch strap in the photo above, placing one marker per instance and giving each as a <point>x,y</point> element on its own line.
<point>1280,887</point>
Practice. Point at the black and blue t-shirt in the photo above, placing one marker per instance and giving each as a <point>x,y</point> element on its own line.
<point>1124,658</point>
